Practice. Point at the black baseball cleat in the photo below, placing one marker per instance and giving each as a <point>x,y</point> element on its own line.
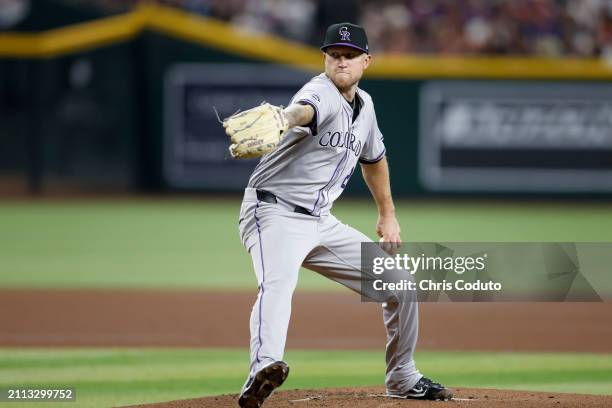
<point>426,389</point>
<point>262,384</point>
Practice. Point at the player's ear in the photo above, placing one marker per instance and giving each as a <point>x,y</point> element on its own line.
<point>367,60</point>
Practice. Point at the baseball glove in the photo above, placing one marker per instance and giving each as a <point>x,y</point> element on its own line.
<point>256,131</point>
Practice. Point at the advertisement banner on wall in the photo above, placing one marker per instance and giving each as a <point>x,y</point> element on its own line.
<point>196,152</point>
<point>516,136</point>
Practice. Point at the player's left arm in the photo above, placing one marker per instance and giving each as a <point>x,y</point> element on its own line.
<point>376,176</point>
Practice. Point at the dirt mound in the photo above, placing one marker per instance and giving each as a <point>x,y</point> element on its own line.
<point>374,398</point>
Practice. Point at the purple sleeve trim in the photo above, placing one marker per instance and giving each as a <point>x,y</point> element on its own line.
<point>376,160</point>
<point>314,123</point>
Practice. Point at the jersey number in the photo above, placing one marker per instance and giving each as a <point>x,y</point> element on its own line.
<point>348,176</point>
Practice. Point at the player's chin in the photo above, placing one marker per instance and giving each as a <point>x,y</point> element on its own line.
<point>343,80</point>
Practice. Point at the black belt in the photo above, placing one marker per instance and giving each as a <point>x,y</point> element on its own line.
<point>268,197</point>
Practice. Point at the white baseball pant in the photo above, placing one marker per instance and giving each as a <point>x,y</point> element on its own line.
<point>279,241</point>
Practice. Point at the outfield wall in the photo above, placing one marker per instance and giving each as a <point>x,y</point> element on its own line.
<point>125,102</point>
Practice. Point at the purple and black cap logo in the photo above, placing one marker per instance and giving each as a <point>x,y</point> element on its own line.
<point>347,34</point>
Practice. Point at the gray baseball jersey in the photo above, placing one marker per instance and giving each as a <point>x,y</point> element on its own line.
<point>312,165</point>
<point>310,169</point>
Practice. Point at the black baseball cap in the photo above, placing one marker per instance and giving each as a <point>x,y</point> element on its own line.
<point>347,34</point>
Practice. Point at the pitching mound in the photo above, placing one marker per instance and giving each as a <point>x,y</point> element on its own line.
<point>373,398</point>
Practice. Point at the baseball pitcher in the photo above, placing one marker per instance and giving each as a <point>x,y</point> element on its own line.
<point>309,152</point>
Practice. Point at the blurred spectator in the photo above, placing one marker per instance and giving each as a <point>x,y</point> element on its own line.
<point>12,12</point>
<point>292,19</point>
<point>547,28</point>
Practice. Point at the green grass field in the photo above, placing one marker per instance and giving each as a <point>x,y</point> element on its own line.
<point>105,377</point>
<point>195,244</point>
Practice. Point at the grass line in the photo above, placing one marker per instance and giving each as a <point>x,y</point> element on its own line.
<point>104,377</point>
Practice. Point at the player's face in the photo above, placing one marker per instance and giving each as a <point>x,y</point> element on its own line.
<point>345,65</point>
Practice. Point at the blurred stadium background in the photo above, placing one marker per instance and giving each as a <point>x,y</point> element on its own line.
<point>115,179</point>
<point>475,97</point>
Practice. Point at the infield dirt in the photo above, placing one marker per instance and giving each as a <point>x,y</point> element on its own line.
<point>331,320</point>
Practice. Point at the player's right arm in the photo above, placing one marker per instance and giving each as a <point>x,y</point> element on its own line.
<point>298,114</point>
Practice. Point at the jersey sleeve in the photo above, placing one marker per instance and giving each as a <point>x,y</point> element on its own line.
<point>323,102</point>
<point>373,149</point>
